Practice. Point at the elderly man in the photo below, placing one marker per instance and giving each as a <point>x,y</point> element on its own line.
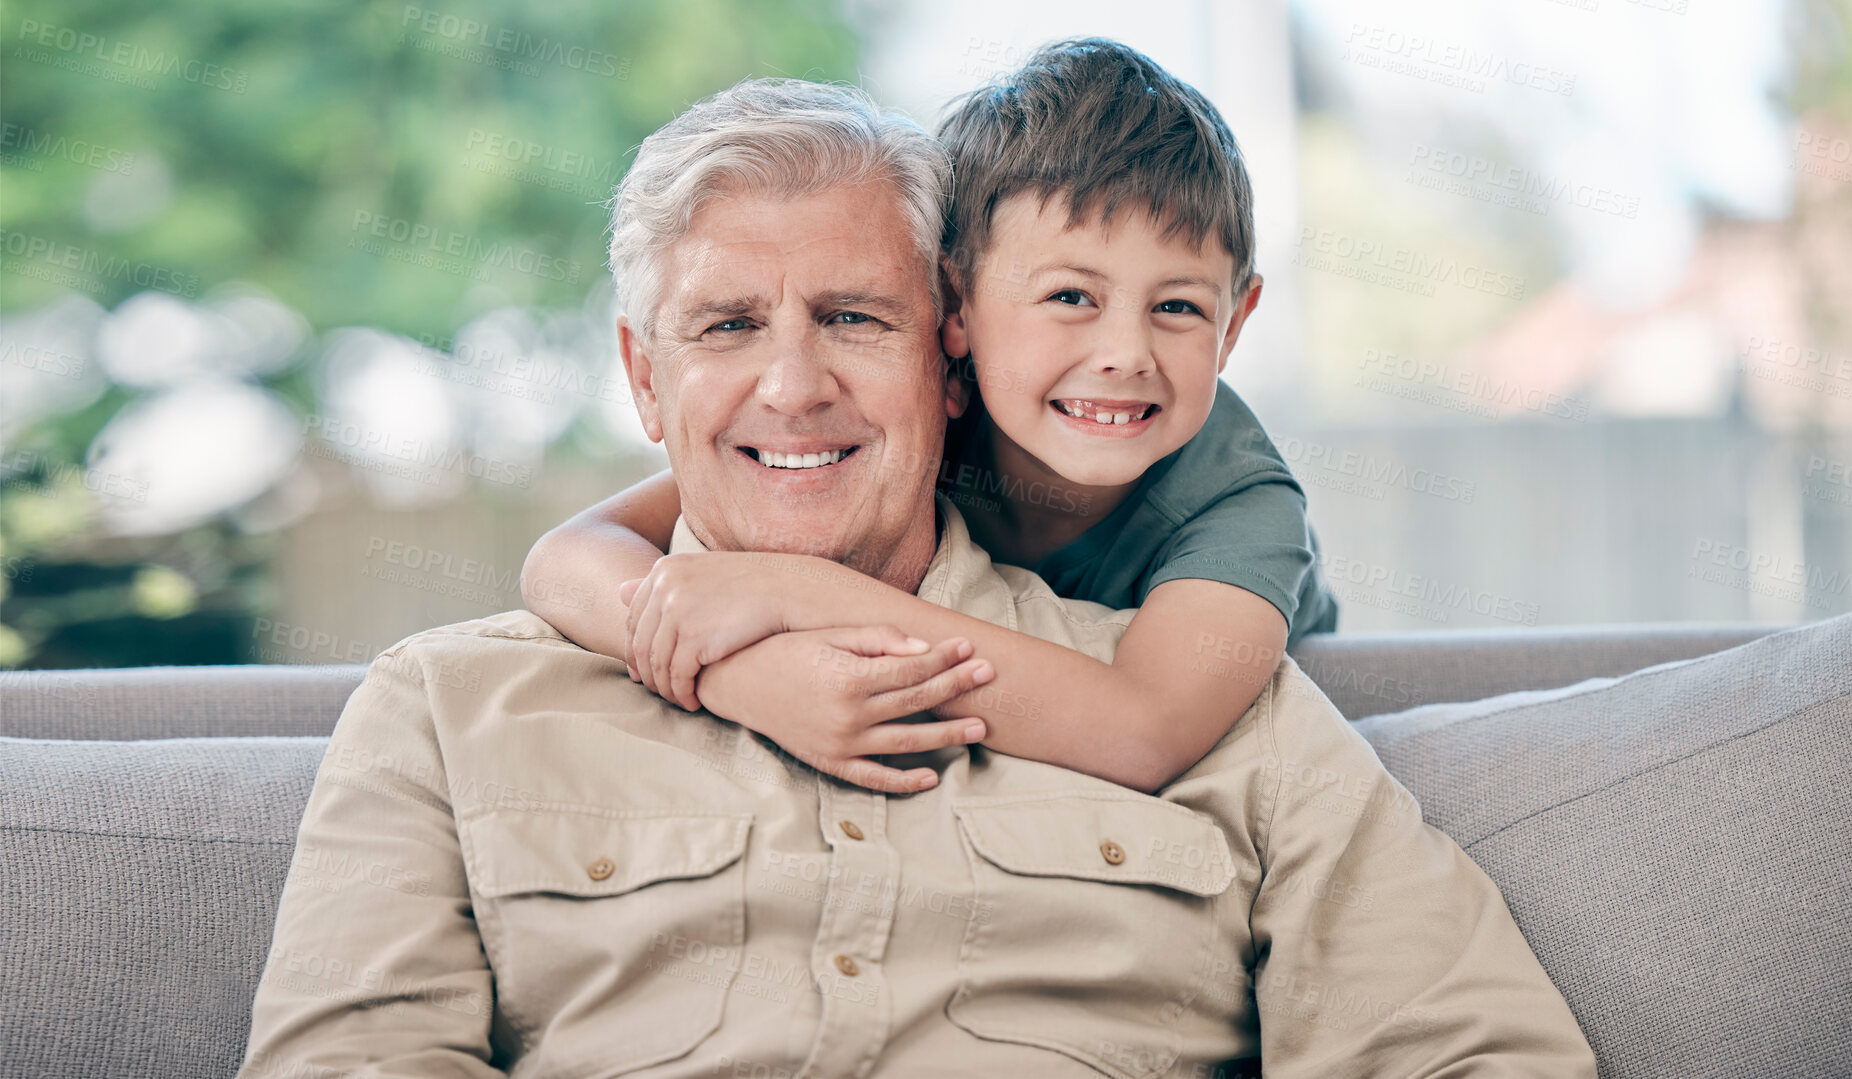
<point>516,861</point>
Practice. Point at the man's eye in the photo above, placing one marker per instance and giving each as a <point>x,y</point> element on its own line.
<point>1073,297</point>
<point>1178,307</point>
<point>850,318</point>
<point>729,326</point>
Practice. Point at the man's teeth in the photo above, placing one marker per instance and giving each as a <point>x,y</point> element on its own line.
<point>774,459</point>
<point>1078,410</point>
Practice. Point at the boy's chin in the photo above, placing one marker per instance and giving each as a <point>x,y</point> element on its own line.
<point>1103,474</point>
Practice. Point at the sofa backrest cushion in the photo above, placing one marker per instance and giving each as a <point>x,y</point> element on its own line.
<point>1367,674</point>
<point>1363,674</point>
<point>1676,845</point>
<point>274,699</point>
<point>138,891</point>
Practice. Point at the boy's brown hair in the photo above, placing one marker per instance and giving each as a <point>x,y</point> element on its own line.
<point>1103,125</point>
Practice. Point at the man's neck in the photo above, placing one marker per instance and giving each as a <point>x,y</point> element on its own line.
<point>905,567</point>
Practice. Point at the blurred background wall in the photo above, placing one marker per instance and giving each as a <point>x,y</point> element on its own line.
<point>305,328</point>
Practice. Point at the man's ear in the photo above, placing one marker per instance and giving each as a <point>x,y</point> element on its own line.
<point>953,335</point>
<point>642,372</point>
<point>1243,308</point>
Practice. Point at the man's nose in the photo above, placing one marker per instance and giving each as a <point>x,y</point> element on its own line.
<point>799,377</point>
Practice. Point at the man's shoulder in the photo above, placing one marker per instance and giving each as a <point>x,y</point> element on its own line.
<point>1292,719</point>
<point>525,663</point>
<point>1230,453</point>
<point>506,643</point>
<point>517,629</point>
<point>1029,590</point>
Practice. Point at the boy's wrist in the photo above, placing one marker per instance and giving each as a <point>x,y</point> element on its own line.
<point>801,586</point>
<point>711,684</point>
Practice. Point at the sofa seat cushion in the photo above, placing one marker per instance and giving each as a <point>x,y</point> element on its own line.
<point>138,891</point>
<point>1675,843</point>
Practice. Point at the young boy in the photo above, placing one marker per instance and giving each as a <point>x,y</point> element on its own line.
<point>1100,247</point>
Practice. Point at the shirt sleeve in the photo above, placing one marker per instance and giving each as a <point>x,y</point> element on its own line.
<point>1254,537</point>
<point>376,967</point>
<point>1382,949</point>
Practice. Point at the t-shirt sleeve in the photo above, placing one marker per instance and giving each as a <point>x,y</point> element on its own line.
<point>1254,537</point>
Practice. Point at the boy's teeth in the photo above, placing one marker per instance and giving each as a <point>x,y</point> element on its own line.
<point>1079,412</point>
<point>774,459</point>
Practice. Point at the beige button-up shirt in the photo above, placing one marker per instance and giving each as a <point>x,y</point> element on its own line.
<point>517,861</point>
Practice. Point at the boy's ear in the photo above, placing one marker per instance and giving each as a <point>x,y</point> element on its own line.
<point>641,370</point>
<point>1243,308</point>
<point>953,335</point>
<point>957,386</point>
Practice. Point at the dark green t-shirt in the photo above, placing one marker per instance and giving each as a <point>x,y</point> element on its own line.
<point>1222,507</point>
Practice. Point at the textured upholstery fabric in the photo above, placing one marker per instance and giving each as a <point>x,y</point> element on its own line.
<point>1363,674</point>
<point>139,879</point>
<point>138,889</point>
<point>176,702</point>
<point>1675,844</point>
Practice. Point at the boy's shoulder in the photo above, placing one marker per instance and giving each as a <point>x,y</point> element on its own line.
<point>1231,451</point>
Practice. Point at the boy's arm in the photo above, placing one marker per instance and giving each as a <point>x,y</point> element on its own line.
<point>1192,662</point>
<point>571,574</point>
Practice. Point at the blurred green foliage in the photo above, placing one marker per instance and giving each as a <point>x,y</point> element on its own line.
<point>285,132</point>
<point>406,166</point>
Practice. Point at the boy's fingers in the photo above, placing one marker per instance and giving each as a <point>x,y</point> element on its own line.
<point>683,669</point>
<point>896,736</point>
<point>876,641</point>
<point>643,643</point>
<point>933,691</point>
<point>661,653</point>
<point>628,589</point>
<point>898,672</point>
<point>879,777</point>
<point>636,605</point>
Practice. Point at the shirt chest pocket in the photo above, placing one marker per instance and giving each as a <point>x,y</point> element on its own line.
<point>613,937</point>
<point>1101,927</point>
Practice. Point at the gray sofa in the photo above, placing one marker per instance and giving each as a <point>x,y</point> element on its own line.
<point>1672,834</point>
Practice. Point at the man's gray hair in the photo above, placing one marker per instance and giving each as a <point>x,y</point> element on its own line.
<point>782,137</point>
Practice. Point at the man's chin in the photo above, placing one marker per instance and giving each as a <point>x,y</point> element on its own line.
<point>805,538</point>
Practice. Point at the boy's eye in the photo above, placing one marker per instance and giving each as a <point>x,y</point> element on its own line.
<point>1072,297</point>
<point>1178,307</point>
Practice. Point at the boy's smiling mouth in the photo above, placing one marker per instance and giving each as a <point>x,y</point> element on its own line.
<point>1105,412</point>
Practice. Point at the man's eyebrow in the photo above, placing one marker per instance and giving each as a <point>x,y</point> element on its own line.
<point>722,307</point>
<point>881,301</point>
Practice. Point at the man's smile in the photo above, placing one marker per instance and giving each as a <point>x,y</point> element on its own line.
<point>800,457</point>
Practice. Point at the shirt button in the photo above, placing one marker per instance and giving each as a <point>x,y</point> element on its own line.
<point>847,966</point>
<point>601,869</point>
<point>1112,852</point>
<point>849,829</point>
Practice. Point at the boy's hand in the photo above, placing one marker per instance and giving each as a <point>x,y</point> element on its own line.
<point>697,608</point>
<point>833,698</point>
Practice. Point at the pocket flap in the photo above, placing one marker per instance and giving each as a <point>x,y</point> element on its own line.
<point>1129,839</point>
<point>593,854</point>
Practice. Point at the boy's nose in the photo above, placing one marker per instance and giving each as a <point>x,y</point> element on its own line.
<point>1126,353</point>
